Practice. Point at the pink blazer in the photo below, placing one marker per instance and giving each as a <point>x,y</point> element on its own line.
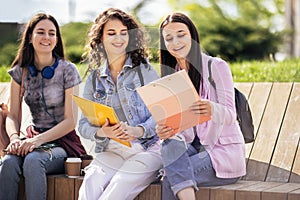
<point>221,136</point>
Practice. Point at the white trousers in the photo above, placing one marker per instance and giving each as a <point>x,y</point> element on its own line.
<point>120,173</point>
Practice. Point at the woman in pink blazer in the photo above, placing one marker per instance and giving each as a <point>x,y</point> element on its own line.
<point>211,153</point>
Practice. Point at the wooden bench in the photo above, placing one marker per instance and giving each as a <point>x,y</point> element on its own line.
<point>273,160</point>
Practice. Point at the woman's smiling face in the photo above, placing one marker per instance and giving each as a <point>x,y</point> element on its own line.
<point>177,39</point>
<point>115,37</point>
<point>44,36</point>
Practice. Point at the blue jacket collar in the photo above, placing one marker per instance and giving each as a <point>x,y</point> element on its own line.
<point>104,70</point>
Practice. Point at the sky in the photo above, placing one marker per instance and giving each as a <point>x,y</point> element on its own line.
<point>83,10</point>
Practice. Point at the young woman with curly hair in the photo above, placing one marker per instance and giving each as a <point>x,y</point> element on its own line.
<point>119,65</point>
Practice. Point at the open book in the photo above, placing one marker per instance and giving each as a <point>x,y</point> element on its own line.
<point>169,99</point>
<point>97,113</point>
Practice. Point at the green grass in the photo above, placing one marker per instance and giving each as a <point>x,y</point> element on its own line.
<point>258,71</point>
<point>255,71</point>
<point>4,77</point>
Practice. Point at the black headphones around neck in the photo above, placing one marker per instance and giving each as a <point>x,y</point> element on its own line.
<point>47,72</point>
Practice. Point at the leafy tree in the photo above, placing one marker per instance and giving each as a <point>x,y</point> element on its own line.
<point>74,35</point>
<point>7,53</point>
<point>235,29</point>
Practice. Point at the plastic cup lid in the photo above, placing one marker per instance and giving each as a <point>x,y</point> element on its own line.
<point>73,160</point>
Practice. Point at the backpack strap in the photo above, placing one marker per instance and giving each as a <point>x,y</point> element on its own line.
<point>196,142</point>
<point>94,79</point>
<point>210,78</point>
<point>140,75</point>
<point>22,89</point>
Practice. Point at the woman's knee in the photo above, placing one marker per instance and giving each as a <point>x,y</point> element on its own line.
<point>172,150</point>
<point>11,163</point>
<point>32,163</point>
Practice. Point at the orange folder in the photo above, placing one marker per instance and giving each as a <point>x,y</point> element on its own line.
<point>97,113</point>
<point>169,99</point>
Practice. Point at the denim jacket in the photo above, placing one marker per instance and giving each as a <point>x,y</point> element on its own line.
<point>133,106</point>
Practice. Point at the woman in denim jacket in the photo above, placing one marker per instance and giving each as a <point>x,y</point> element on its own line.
<point>211,153</point>
<point>117,50</point>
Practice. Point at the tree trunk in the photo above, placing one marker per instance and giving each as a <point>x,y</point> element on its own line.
<point>293,24</point>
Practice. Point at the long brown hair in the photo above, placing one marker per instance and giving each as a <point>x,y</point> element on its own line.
<point>25,55</point>
<point>194,58</point>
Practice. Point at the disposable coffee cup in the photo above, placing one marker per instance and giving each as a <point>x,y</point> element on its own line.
<point>73,167</point>
<point>86,160</point>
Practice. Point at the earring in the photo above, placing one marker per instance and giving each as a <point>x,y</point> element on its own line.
<point>101,46</point>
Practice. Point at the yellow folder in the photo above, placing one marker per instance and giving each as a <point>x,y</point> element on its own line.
<point>97,113</point>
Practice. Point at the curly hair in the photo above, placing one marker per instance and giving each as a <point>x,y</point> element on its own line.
<point>136,48</point>
<point>25,55</point>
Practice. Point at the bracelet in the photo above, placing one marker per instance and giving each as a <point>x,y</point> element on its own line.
<point>143,132</point>
<point>13,134</point>
<point>99,138</point>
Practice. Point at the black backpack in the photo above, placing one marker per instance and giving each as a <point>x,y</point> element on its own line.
<point>243,111</point>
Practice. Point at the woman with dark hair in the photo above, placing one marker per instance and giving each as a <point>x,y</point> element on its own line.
<point>211,153</point>
<point>118,54</point>
<point>49,82</point>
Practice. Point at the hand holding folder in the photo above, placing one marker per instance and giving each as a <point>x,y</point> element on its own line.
<point>169,99</point>
<point>97,113</point>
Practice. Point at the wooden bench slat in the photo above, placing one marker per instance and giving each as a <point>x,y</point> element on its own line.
<point>78,182</point>
<point>152,192</point>
<point>253,192</point>
<point>294,195</point>
<point>203,193</point>
<point>245,88</point>
<point>287,143</point>
<point>280,192</point>
<point>227,192</point>
<point>238,185</point>
<point>258,162</point>
<point>64,188</point>
<point>222,194</point>
<point>50,187</point>
<point>257,101</point>
<point>295,175</point>
<point>260,186</point>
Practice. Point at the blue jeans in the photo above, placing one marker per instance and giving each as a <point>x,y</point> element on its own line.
<point>34,167</point>
<point>186,167</point>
